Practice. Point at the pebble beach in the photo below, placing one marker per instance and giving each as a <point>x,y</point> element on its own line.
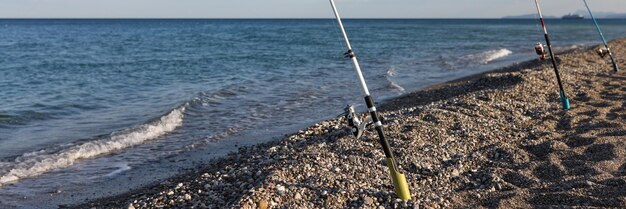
<point>498,140</point>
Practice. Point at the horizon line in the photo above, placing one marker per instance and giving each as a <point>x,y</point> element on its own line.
<point>266,18</point>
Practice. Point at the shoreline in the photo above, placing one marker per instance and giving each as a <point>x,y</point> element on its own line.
<point>121,185</point>
<point>487,126</point>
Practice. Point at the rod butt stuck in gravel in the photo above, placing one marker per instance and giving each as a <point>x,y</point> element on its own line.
<point>398,178</point>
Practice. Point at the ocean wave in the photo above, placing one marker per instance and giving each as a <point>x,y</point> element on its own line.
<point>395,86</point>
<point>7,43</point>
<point>5,118</point>
<point>37,163</point>
<point>24,117</point>
<point>486,57</point>
<point>481,58</point>
<point>121,167</point>
<point>390,83</point>
<point>391,72</point>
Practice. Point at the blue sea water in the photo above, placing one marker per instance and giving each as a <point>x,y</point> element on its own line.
<point>87,105</point>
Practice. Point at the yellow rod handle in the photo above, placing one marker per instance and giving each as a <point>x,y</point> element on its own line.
<point>399,181</point>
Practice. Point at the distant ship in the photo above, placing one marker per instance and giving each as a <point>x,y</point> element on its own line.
<point>571,16</point>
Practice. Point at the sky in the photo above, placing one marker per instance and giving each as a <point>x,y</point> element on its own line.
<point>294,8</point>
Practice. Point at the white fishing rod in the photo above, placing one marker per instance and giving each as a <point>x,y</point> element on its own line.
<point>564,99</point>
<point>606,45</point>
<point>398,178</point>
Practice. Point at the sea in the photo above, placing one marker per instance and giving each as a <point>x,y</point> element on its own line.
<point>91,108</point>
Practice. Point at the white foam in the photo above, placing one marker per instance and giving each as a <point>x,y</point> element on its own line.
<point>120,168</point>
<point>483,57</point>
<point>36,163</point>
<point>395,86</point>
<point>470,60</point>
<point>488,56</point>
<point>391,72</point>
<point>495,54</point>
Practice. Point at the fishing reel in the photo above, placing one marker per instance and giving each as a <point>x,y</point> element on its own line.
<point>357,127</point>
<point>603,52</point>
<point>540,51</point>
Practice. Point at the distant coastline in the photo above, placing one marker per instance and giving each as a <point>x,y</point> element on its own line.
<point>599,15</point>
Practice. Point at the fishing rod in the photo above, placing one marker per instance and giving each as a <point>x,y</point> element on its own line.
<point>564,98</point>
<point>606,45</point>
<point>398,178</point>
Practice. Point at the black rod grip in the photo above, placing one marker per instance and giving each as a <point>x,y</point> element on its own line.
<point>379,129</point>
<point>556,67</point>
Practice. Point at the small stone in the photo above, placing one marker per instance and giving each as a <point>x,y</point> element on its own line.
<point>297,196</point>
<point>455,173</point>
<point>368,200</point>
<point>281,189</point>
<point>170,193</point>
<point>187,197</point>
<point>263,204</point>
<point>131,206</point>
